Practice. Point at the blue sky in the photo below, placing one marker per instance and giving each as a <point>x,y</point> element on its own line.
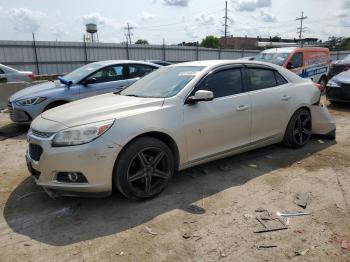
<point>173,20</point>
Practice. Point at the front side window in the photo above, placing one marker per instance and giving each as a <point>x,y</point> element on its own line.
<point>259,78</point>
<point>223,83</point>
<point>108,74</point>
<point>164,82</point>
<point>297,60</point>
<point>78,74</point>
<point>139,70</point>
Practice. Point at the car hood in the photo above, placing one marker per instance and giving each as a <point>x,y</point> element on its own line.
<point>100,108</point>
<point>43,89</point>
<point>341,62</point>
<point>343,77</point>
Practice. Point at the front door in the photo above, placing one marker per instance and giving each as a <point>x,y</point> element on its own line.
<point>220,125</point>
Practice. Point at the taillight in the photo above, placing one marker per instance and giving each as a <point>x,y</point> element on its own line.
<point>31,76</point>
<point>319,87</point>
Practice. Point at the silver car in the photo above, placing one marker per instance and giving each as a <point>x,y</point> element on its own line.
<point>89,80</point>
<point>8,74</point>
<point>176,117</point>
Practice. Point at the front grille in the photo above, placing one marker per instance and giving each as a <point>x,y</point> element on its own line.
<point>40,134</point>
<point>35,152</point>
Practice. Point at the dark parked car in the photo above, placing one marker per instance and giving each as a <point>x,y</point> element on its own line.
<point>339,66</point>
<point>338,88</point>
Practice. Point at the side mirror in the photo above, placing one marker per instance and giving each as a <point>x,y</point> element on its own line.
<point>89,81</point>
<point>290,66</point>
<point>200,95</point>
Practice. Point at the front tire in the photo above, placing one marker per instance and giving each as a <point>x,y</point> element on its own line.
<point>299,128</point>
<point>144,168</point>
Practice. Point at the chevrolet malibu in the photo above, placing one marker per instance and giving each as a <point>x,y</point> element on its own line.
<point>89,80</point>
<point>176,117</point>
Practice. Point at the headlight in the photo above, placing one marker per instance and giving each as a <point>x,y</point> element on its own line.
<point>332,83</point>
<point>83,134</point>
<point>30,101</point>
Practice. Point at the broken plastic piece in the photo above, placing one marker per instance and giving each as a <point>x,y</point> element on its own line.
<point>302,199</point>
<point>296,214</point>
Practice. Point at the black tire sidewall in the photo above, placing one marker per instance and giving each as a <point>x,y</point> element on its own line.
<point>123,161</point>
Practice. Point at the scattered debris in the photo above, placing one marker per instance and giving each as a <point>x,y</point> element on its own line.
<point>190,221</point>
<point>320,141</point>
<point>302,199</point>
<point>266,246</point>
<point>4,111</point>
<point>299,162</point>
<point>287,221</point>
<point>194,209</point>
<point>268,157</point>
<point>150,231</point>
<point>223,254</point>
<point>296,214</point>
<point>345,244</point>
<point>121,254</point>
<point>302,253</point>
<point>260,209</point>
<point>186,235</point>
<point>300,231</point>
<point>270,223</point>
<point>27,245</point>
<point>248,216</point>
<point>253,165</point>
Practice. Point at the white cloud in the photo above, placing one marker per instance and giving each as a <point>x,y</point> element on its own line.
<point>191,32</point>
<point>346,4</point>
<point>24,19</point>
<point>96,18</point>
<point>145,16</point>
<point>251,5</point>
<point>176,2</point>
<point>203,19</point>
<point>266,17</point>
<point>58,31</point>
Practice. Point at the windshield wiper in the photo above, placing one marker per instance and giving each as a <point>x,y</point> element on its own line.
<point>132,95</point>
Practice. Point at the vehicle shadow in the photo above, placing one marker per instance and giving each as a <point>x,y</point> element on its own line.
<point>342,107</point>
<point>32,213</point>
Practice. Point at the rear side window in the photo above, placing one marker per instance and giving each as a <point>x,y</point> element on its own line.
<point>280,79</point>
<point>139,70</point>
<point>2,72</point>
<point>223,83</point>
<point>259,78</point>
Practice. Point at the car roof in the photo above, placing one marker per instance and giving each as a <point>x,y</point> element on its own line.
<point>112,62</point>
<point>214,63</point>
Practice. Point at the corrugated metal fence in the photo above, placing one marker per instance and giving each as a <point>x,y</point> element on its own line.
<point>44,57</point>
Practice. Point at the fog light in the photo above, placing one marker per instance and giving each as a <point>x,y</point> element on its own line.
<point>71,177</point>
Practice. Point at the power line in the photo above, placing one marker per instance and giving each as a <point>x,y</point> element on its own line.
<point>128,33</point>
<point>226,32</point>
<point>301,29</point>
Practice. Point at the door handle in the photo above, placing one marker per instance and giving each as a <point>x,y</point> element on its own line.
<point>285,98</point>
<point>242,108</point>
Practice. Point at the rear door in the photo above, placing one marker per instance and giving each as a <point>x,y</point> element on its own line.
<point>272,99</point>
<point>108,79</point>
<point>217,126</point>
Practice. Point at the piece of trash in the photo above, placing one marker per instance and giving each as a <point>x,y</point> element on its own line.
<point>253,165</point>
<point>121,254</point>
<point>190,221</point>
<point>150,231</point>
<point>194,209</point>
<point>287,221</point>
<point>299,162</point>
<point>345,244</point>
<point>266,246</point>
<point>320,141</point>
<point>296,214</point>
<point>248,216</point>
<point>302,199</point>
<point>268,157</point>
<point>302,253</point>
<point>260,209</point>
<point>223,254</point>
<point>270,223</point>
<point>27,245</point>
<point>186,235</point>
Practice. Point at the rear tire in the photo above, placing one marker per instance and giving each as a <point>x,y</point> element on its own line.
<point>144,168</point>
<point>299,128</point>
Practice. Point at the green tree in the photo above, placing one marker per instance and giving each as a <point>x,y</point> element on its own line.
<point>141,42</point>
<point>210,41</point>
<point>276,39</point>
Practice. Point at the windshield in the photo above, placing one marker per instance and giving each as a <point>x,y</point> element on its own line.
<point>165,82</point>
<point>347,58</point>
<point>81,72</point>
<point>275,58</point>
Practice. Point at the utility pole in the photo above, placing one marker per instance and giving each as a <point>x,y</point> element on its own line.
<point>225,25</point>
<point>301,29</point>
<point>128,34</point>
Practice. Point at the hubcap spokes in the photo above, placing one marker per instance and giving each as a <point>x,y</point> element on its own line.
<point>148,170</point>
<point>302,129</point>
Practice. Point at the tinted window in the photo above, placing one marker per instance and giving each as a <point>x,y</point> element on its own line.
<point>280,79</point>
<point>223,83</point>
<point>108,74</point>
<point>297,60</point>
<point>261,78</point>
<point>1,72</point>
<point>139,70</point>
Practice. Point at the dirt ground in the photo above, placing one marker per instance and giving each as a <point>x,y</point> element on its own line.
<point>206,214</point>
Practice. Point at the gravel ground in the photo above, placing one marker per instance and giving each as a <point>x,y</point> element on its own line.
<point>206,214</point>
